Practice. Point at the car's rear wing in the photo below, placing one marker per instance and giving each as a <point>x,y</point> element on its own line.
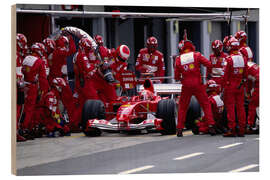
<point>164,88</point>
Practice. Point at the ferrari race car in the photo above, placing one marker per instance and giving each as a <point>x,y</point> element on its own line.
<point>145,112</point>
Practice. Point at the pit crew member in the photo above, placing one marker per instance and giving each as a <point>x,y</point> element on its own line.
<point>103,51</point>
<point>103,79</point>
<point>213,90</point>
<point>246,51</point>
<point>49,47</point>
<point>234,78</point>
<point>83,70</point>
<point>21,50</point>
<point>65,47</point>
<point>217,59</point>
<point>187,70</point>
<point>48,112</point>
<point>36,85</point>
<point>253,94</point>
<point>150,60</point>
<point>225,40</point>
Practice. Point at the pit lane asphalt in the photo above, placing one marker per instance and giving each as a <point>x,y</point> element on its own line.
<point>120,153</point>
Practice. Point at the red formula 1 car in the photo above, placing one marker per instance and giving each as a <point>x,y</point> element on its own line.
<point>144,112</point>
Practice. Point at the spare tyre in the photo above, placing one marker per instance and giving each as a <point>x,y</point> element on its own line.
<point>166,110</point>
<point>92,109</point>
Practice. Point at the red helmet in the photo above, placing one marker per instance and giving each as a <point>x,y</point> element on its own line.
<point>21,42</point>
<point>99,40</point>
<point>225,41</point>
<point>212,86</point>
<point>58,84</point>
<point>186,44</point>
<point>217,45</point>
<point>85,45</point>
<point>152,44</point>
<point>123,52</point>
<point>146,95</point>
<point>233,44</point>
<point>49,45</point>
<point>62,41</point>
<point>39,49</point>
<point>241,36</point>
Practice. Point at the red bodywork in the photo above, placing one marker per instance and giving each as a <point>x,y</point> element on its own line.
<point>129,113</point>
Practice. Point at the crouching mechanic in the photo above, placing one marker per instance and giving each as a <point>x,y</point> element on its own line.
<point>150,60</point>
<point>187,70</point>
<point>49,113</point>
<point>213,90</point>
<point>234,77</point>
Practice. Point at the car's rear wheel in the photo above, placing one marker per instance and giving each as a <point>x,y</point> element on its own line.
<point>166,110</point>
<point>92,109</point>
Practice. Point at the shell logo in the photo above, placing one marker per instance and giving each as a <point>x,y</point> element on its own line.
<point>191,66</point>
<point>27,69</point>
<point>241,70</point>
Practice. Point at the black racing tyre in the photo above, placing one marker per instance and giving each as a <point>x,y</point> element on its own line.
<point>92,109</point>
<point>193,113</point>
<point>166,110</point>
<point>195,130</point>
<point>93,132</point>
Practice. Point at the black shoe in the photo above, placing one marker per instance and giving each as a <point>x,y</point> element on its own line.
<point>179,133</point>
<point>241,132</point>
<point>27,135</point>
<point>249,130</point>
<point>230,133</point>
<point>212,130</point>
<point>20,138</point>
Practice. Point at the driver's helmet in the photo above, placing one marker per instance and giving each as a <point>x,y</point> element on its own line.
<point>146,95</point>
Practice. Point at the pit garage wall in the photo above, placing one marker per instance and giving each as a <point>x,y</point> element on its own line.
<point>35,27</point>
<point>125,33</point>
<point>201,33</point>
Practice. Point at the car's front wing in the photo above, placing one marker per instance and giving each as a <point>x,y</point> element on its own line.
<point>123,126</point>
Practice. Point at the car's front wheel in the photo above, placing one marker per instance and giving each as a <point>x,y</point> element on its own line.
<point>92,109</point>
<point>166,110</point>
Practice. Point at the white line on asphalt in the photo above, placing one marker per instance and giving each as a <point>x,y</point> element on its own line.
<point>188,156</point>
<point>256,139</point>
<point>230,145</point>
<point>136,169</point>
<point>245,168</point>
